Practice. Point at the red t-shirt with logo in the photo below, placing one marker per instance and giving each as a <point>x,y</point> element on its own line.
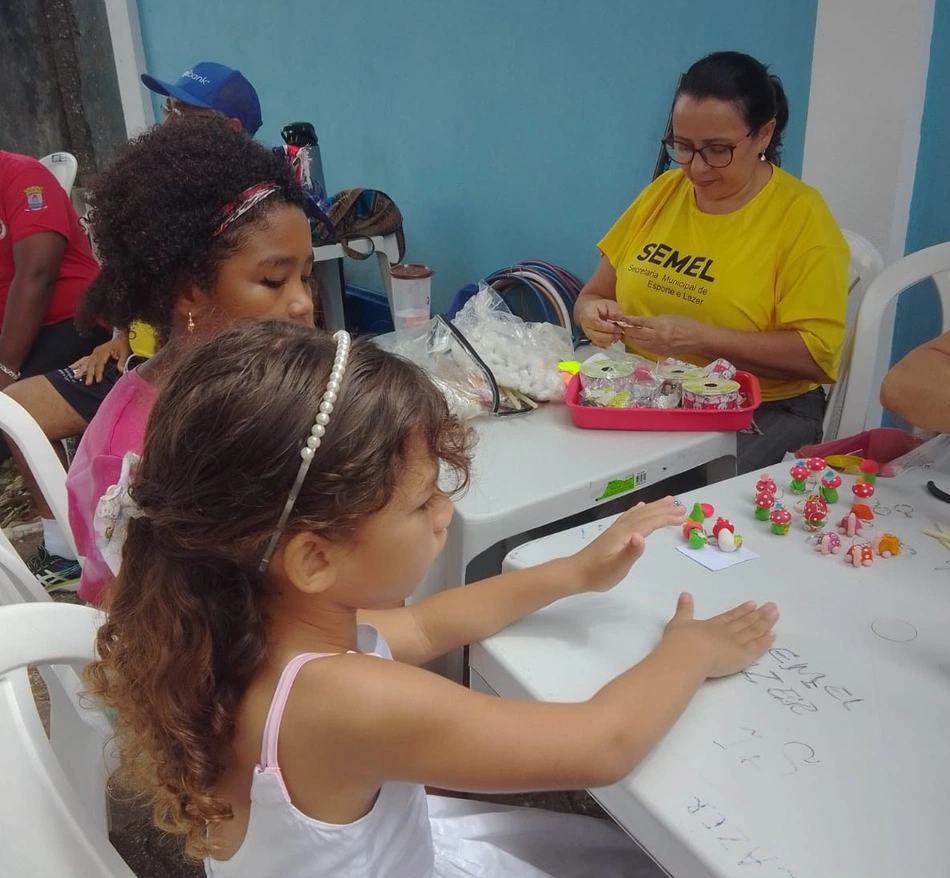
<point>32,201</point>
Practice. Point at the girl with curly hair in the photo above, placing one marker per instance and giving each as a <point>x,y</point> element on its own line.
<point>269,705</point>
<point>197,227</point>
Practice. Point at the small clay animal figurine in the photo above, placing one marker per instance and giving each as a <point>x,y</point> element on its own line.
<point>886,545</point>
<point>697,538</point>
<point>689,527</point>
<point>850,525</point>
<point>860,556</point>
<point>828,544</point>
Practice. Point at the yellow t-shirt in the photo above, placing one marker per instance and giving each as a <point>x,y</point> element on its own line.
<point>142,339</point>
<point>779,262</point>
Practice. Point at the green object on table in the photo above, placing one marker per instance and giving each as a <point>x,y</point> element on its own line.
<point>696,513</point>
<point>779,528</point>
<point>762,513</point>
<point>830,494</point>
<point>618,486</point>
<point>697,539</point>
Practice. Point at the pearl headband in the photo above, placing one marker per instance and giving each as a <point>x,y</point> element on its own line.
<point>317,431</point>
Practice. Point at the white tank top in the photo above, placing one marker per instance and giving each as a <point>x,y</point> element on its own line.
<point>393,840</point>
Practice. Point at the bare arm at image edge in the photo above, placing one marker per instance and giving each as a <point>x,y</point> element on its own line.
<point>917,388</point>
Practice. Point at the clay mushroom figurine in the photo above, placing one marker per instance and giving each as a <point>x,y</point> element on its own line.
<point>815,512</point>
<point>781,520</point>
<point>766,483</point>
<point>764,501</point>
<point>830,483</point>
<point>862,489</point>
<point>815,465</point>
<point>799,474</point>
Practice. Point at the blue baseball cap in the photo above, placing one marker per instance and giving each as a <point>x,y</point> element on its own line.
<point>214,87</point>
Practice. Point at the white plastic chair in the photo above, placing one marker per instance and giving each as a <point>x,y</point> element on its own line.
<point>46,467</point>
<point>47,825</point>
<point>866,263</point>
<point>63,166</point>
<point>932,262</point>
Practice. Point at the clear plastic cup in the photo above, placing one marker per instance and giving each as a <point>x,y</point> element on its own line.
<point>412,294</point>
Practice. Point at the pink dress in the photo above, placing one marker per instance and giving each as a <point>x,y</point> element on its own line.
<point>118,427</point>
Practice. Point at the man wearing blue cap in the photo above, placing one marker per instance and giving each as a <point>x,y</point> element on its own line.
<point>208,88</point>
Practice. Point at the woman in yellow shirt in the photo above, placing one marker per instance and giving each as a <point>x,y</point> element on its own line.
<point>729,256</point>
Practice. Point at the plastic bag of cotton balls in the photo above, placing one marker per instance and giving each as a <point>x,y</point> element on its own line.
<point>522,356</point>
<point>464,384</point>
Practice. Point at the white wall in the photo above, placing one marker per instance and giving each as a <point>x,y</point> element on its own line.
<point>126,34</point>
<point>868,81</point>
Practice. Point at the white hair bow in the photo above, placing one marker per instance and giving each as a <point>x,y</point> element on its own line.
<point>114,511</point>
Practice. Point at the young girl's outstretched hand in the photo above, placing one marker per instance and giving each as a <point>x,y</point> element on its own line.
<point>607,560</point>
<point>459,616</point>
<point>731,640</point>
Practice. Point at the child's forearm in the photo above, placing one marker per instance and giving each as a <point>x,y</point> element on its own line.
<point>459,616</point>
<point>642,704</point>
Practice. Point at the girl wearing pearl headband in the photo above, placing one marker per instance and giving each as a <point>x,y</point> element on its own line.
<point>277,715</point>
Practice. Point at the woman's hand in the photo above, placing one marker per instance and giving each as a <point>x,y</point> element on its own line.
<point>93,367</point>
<point>731,640</point>
<point>594,314</point>
<point>607,560</point>
<point>667,335</point>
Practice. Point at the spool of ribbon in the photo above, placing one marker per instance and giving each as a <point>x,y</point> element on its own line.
<point>710,394</point>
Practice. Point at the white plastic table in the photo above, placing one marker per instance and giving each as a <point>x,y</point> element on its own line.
<point>828,759</point>
<point>327,262</point>
<point>535,469</point>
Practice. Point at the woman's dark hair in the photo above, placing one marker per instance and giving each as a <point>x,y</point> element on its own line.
<point>155,210</point>
<point>185,631</point>
<point>745,82</point>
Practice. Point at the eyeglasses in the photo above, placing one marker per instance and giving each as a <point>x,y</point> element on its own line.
<point>169,110</point>
<point>180,112</point>
<point>716,155</point>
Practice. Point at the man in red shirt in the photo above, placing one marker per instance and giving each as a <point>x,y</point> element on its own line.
<point>46,263</point>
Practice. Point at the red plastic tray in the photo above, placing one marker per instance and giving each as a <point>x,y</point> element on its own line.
<point>686,420</point>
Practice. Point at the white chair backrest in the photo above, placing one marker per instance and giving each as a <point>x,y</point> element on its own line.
<point>63,166</point>
<point>932,262</point>
<point>865,264</point>
<point>46,467</point>
<point>46,825</point>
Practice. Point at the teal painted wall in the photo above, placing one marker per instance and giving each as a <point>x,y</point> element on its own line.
<point>504,129</point>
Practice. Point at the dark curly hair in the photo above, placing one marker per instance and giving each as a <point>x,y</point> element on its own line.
<point>185,632</point>
<point>154,214</point>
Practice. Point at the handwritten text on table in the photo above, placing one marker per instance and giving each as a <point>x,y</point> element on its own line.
<point>780,671</point>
